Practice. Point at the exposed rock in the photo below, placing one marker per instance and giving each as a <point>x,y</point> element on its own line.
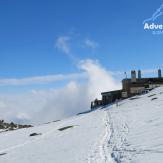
<point>154,98</point>
<point>4,126</point>
<point>35,134</point>
<point>2,154</point>
<point>64,128</point>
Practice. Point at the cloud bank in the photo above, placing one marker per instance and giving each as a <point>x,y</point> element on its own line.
<point>41,79</point>
<point>38,106</point>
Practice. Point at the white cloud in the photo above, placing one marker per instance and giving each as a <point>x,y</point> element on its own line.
<point>41,79</point>
<point>46,105</point>
<point>62,44</point>
<point>2,104</point>
<point>99,78</point>
<point>61,77</point>
<point>90,44</point>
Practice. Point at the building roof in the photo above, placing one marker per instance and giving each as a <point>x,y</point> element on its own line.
<point>146,80</point>
<point>111,92</point>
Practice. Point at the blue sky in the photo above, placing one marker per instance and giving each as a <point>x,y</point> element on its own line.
<point>71,48</point>
<point>29,30</point>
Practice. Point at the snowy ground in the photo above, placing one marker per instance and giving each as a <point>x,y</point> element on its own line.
<point>137,129</point>
<point>79,144</point>
<point>129,133</point>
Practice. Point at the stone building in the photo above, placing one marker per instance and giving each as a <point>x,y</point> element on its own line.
<point>96,103</point>
<point>134,86</point>
<point>110,97</point>
<point>130,87</point>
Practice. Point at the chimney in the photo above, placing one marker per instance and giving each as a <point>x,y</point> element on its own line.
<point>139,74</point>
<point>159,73</point>
<point>133,76</point>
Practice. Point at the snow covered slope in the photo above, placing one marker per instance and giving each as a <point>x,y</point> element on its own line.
<point>137,129</point>
<point>129,133</point>
<point>79,144</point>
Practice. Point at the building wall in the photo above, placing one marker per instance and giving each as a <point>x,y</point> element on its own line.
<point>137,90</point>
<point>124,94</point>
<point>139,86</point>
<point>109,97</point>
<point>154,85</point>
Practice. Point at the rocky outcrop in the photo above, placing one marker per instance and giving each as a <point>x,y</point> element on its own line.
<point>4,126</point>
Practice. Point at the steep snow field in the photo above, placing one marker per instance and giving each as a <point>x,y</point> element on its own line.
<point>129,133</point>
<point>137,129</point>
<point>79,144</point>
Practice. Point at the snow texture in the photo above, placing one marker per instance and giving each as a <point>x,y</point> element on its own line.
<point>131,132</point>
